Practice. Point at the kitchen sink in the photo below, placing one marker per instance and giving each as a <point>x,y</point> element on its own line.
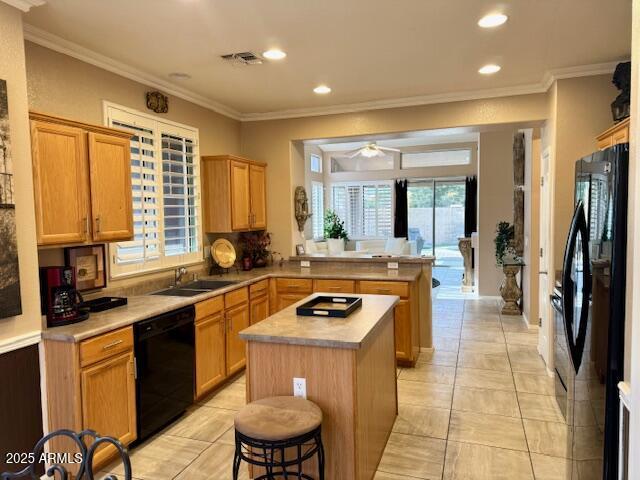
<point>206,284</point>
<point>194,288</point>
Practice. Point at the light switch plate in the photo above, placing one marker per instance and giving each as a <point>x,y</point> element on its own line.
<point>392,265</point>
<point>305,264</point>
<point>300,387</point>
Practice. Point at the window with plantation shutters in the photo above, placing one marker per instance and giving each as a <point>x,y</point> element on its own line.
<point>317,209</point>
<point>365,208</point>
<point>165,186</point>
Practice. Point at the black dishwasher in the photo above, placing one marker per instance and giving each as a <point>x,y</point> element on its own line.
<point>164,349</point>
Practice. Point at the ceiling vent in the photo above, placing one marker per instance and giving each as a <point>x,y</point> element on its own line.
<point>243,58</point>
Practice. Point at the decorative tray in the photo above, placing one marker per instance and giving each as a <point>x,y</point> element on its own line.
<point>104,303</point>
<point>330,306</point>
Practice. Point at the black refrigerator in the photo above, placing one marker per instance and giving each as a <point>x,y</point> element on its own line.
<point>589,309</point>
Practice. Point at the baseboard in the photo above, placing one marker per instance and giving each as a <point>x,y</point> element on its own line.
<point>20,341</point>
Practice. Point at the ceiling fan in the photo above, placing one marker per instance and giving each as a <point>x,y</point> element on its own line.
<point>371,150</point>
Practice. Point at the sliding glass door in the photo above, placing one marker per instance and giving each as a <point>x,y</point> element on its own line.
<point>436,218</point>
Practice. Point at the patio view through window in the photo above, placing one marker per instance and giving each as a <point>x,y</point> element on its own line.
<point>436,218</point>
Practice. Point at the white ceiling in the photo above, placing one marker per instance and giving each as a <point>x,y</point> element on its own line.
<point>366,50</point>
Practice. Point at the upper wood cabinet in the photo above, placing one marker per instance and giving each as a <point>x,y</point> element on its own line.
<point>82,182</point>
<point>110,174</point>
<point>619,133</point>
<point>60,182</point>
<point>234,194</point>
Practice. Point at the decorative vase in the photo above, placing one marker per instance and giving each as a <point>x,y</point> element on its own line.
<point>247,264</point>
<point>335,246</point>
<point>260,263</point>
<point>510,290</point>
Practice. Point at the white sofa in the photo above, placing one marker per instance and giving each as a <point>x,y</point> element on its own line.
<point>389,246</point>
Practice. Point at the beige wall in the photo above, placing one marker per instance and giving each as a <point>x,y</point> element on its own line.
<point>582,112</point>
<point>495,203</point>
<point>12,69</point>
<point>62,85</point>
<point>271,141</point>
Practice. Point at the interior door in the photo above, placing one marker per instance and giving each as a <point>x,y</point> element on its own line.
<point>110,173</point>
<point>546,280</point>
<point>240,196</point>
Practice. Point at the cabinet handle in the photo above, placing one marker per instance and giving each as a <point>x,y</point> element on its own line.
<point>112,344</point>
<point>98,224</point>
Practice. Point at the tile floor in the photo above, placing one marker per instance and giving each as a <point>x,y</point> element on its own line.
<point>480,407</point>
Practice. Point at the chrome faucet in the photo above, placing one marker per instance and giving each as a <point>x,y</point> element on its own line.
<point>180,272</point>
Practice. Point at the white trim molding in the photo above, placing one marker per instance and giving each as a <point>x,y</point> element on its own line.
<point>24,5</point>
<point>58,44</point>
<point>20,341</point>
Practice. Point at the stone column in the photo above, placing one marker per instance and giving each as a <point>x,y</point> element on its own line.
<point>464,244</point>
<point>510,290</point>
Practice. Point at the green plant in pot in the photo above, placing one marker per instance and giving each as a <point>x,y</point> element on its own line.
<point>334,232</point>
<point>504,243</point>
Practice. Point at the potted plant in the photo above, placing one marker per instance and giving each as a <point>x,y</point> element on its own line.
<point>334,232</point>
<point>504,243</point>
<point>255,249</point>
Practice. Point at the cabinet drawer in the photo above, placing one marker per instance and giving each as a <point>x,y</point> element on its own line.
<point>340,286</point>
<point>259,288</point>
<point>385,288</point>
<point>104,346</point>
<point>236,297</point>
<point>294,285</point>
<point>209,307</point>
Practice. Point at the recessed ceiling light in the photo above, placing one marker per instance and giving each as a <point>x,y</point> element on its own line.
<point>489,69</point>
<point>322,89</point>
<point>274,54</point>
<point>179,76</point>
<point>492,20</point>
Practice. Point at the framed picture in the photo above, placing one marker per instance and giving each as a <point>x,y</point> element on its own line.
<point>299,249</point>
<point>89,264</point>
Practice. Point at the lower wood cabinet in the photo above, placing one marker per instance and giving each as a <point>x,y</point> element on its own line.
<point>259,307</point>
<point>287,291</point>
<point>109,401</point>
<point>210,353</point>
<point>334,286</point>
<point>91,385</point>
<point>402,321</point>
<point>237,319</point>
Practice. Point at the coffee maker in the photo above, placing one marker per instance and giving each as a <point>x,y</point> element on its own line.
<point>60,301</point>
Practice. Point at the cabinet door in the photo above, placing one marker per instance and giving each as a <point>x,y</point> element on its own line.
<point>60,183</point>
<point>109,401</point>
<point>258,184</point>
<point>287,299</point>
<point>240,195</point>
<point>237,320</point>
<point>110,173</point>
<point>210,357</point>
<point>402,320</point>
<point>259,309</point>
<point>621,136</point>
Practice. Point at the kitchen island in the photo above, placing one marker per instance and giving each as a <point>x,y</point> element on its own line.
<point>350,370</point>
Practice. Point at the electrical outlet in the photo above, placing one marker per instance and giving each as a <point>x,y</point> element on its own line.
<point>305,264</point>
<point>300,387</point>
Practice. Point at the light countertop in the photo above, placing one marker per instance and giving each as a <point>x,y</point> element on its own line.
<point>288,327</point>
<point>141,307</point>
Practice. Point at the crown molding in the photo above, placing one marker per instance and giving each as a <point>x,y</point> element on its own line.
<point>66,47</point>
<point>541,87</point>
<point>24,5</point>
<point>58,44</point>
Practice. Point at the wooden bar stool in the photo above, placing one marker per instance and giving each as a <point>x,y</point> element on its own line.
<point>266,428</point>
